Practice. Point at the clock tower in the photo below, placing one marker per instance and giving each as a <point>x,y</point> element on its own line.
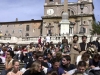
<point>52,8</point>
<point>52,17</point>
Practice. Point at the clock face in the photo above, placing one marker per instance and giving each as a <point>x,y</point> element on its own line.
<point>50,11</point>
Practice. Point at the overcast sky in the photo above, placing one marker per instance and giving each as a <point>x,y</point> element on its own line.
<point>30,9</point>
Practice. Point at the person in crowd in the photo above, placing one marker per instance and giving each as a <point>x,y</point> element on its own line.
<point>53,51</point>
<point>85,57</point>
<point>40,41</point>
<point>92,49</point>
<point>39,57</point>
<point>33,58</point>
<point>47,45</point>
<point>65,64</point>
<point>1,47</point>
<point>4,49</point>
<point>2,58</point>
<point>64,42</point>
<point>8,46</point>
<point>59,55</point>
<point>30,60</point>
<point>47,62</point>
<point>51,44</point>
<point>35,69</point>
<point>16,48</point>
<point>25,57</point>
<point>39,48</point>
<point>44,41</point>
<point>59,44</point>
<point>53,72</point>
<point>56,66</point>
<point>47,38</point>
<point>46,49</point>
<point>81,68</point>
<point>19,47</point>
<point>84,45</point>
<point>65,51</point>
<point>19,56</point>
<point>95,61</point>
<point>24,49</point>
<point>0,61</point>
<point>50,57</point>
<point>30,49</point>
<point>74,49</point>
<point>8,63</point>
<point>97,44</point>
<point>57,49</point>
<point>15,69</point>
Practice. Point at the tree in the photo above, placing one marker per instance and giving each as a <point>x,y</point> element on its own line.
<point>95,28</point>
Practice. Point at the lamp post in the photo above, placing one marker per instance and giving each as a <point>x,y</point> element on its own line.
<point>81,28</point>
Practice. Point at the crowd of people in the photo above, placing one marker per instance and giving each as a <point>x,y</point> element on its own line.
<point>46,58</point>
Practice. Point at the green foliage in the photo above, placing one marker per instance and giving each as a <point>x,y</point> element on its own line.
<point>95,28</point>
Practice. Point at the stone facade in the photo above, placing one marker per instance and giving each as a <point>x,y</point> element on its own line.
<point>53,10</point>
<point>31,28</point>
<point>50,23</point>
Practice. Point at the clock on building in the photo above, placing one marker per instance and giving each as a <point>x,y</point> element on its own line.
<point>50,11</point>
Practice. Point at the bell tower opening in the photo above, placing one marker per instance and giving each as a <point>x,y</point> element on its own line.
<point>51,0</point>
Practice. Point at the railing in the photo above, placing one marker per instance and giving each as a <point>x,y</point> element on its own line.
<point>28,40</point>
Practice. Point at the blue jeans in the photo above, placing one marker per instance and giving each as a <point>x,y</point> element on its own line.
<point>4,72</point>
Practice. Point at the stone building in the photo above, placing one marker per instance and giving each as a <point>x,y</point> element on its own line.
<point>50,23</point>
<point>53,10</point>
<point>30,28</point>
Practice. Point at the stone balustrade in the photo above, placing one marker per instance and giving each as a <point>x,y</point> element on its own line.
<point>28,40</point>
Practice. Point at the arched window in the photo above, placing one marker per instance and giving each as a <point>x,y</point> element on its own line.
<point>69,12</point>
<point>70,30</point>
<point>27,34</point>
<point>62,12</point>
<point>13,31</point>
<point>51,0</point>
<point>27,28</point>
<point>72,13</point>
<point>84,30</point>
<point>84,22</point>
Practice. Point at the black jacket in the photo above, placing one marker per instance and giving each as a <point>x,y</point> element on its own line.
<point>28,65</point>
<point>28,72</point>
<point>68,68</point>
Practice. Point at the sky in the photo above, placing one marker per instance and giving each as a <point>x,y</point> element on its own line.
<point>30,9</point>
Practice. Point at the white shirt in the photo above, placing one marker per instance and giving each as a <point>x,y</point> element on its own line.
<point>3,59</point>
<point>78,59</point>
<point>73,71</point>
<point>48,39</point>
